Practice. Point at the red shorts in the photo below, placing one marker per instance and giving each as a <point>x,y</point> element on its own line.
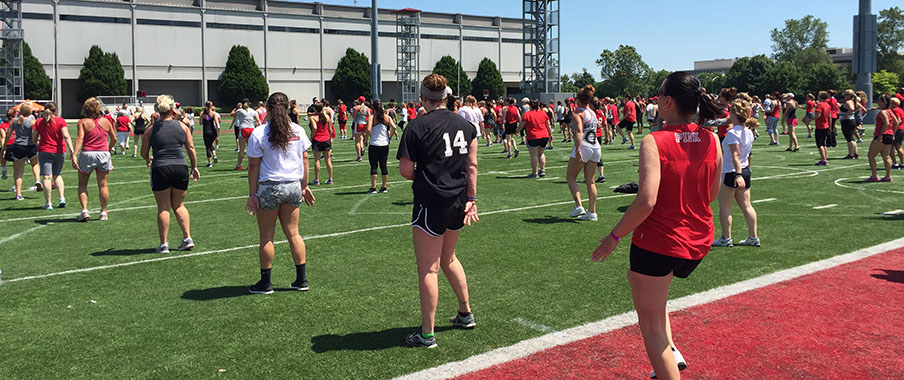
<point>342,124</point>
<point>360,128</point>
<point>246,132</point>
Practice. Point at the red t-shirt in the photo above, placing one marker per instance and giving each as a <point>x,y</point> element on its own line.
<point>12,134</point>
<point>511,114</point>
<point>630,112</point>
<point>810,105</point>
<point>52,140</point>
<point>681,224</point>
<point>900,112</point>
<point>834,103</point>
<point>122,123</point>
<point>498,110</point>
<point>109,118</point>
<point>535,125</point>
<point>343,115</point>
<point>723,129</point>
<point>825,113</point>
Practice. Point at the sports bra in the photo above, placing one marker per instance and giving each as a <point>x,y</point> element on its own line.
<point>589,125</point>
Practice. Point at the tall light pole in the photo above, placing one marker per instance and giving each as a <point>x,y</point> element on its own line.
<point>374,52</point>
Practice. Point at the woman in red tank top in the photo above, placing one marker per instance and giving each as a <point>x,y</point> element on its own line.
<point>883,137</point>
<point>91,153</point>
<point>322,144</point>
<point>671,218</point>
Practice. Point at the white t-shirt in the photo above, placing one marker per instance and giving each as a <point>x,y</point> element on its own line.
<point>405,114</point>
<point>471,115</point>
<point>245,118</point>
<point>650,111</point>
<point>741,136</point>
<point>767,104</point>
<point>276,164</point>
<point>560,112</point>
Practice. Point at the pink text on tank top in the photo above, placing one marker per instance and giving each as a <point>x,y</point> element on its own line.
<point>681,223</point>
<point>96,139</point>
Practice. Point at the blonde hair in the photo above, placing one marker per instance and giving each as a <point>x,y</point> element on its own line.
<point>24,109</point>
<point>741,110</point>
<point>165,104</point>
<point>139,110</point>
<point>92,108</point>
<point>471,101</point>
<point>850,93</point>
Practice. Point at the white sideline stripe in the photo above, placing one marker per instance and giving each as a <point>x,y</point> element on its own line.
<point>14,236</point>
<point>763,200</point>
<point>334,234</point>
<point>548,178</point>
<point>531,346</point>
<point>533,325</point>
<point>893,212</point>
<point>824,207</point>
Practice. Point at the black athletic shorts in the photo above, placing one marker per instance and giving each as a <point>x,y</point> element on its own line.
<point>436,219</point>
<point>886,139</point>
<point>626,125</point>
<point>170,176</point>
<point>511,128</point>
<point>821,135</point>
<point>899,136</point>
<point>728,179</point>
<point>538,143</point>
<point>20,152</point>
<point>323,146</point>
<point>9,153</point>
<point>847,129</point>
<point>658,265</point>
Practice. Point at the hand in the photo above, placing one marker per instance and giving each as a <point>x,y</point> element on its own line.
<point>739,181</point>
<point>607,245</point>
<point>147,163</point>
<point>307,196</point>
<point>252,205</point>
<point>195,174</point>
<point>471,213</point>
<point>578,155</point>
<point>75,164</point>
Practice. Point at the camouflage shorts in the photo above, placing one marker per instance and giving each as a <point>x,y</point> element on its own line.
<point>271,194</point>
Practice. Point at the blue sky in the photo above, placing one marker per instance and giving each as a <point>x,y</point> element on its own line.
<point>669,34</point>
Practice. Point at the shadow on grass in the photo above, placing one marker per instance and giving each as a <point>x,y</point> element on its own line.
<point>891,275</point>
<point>22,208</point>
<point>514,177</point>
<point>365,341</point>
<point>623,209</point>
<point>124,252</point>
<point>219,292</point>
<point>550,220</point>
<point>403,203</point>
<point>54,221</point>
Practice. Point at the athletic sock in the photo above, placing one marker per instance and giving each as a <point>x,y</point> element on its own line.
<point>426,336</point>
<point>299,273</point>
<point>265,275</point>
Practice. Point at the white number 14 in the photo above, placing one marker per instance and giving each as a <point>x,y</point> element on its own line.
<point>459,142</point>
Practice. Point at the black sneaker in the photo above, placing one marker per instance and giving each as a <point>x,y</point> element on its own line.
<point>300,286</point>
<point>415,339</point>
<point>261,288</point>
<point>383,190</point>
<point>600,179</point>
<point>372,190</point>
<point>466,322</point>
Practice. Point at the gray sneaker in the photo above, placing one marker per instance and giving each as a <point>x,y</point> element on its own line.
<point>750,242</point>
<point>162,248</point>
<point>723,242</point>
<point>415,339</point>
<point>465,322</point>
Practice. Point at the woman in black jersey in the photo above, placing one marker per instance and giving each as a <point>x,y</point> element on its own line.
<point>438,152</point>
<point>140,123</point>
<point>210,125</point>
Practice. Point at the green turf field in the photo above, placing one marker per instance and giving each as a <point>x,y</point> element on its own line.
<point>527,263</point>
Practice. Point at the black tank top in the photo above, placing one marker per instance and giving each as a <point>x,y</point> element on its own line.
<point>294,116</point>
<point>208,124</point>
<point>167,140</point>
<point>140,123</point>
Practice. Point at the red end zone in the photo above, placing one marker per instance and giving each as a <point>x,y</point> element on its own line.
<point>846,322</point>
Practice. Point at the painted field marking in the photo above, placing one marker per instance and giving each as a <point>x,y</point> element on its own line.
<point>334,234</point>
<point>544,342</point>
<point>763,200</point>
<point>533,325</point>
<point>548,178</point>
<point>837,183</point>
<point>825,207</point>
<point>14,236</point>
<point>358,204</point>
<point>893,212</point>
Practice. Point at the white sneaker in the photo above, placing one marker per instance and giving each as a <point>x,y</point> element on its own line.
<point>103,216</point>
<point>578,210</point>
<point>723,242</point>
<point>682,364</point>
<point>162,248</point>
<point>591,216</point>
<point>83,216</point>
<point>750,242</point>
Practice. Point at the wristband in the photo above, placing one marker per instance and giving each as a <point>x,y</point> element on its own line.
<point>612,235</point>
<point>252,195</point>
<point>472,199</point>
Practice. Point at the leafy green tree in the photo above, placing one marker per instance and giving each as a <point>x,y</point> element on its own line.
<point>711,81</point>
<point>807,34</point>
<point>884,81</point>
<point>242,78</point>
<point>567,84</point>
<point>623,71</point>
<point>101,74</point>
<point>488,78</point>
<point>37,83</point>
<point>748,75</point>
<point>784,77</point>
<point>582,79</point>
<point>352,77</point>
<point>890,41</point>
<point>655,79</point>
<point>448,67</point>
<point>824,76</point>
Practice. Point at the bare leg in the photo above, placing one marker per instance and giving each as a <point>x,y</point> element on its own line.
<point>329,163</point>
<point>534,159</point>
<point>58,180</point>
<point>266,224</point>
<point>47,182</point>
<point>102,191</point>
<point>571,176</point>
<point>178,203</point>
<point>288,219</point>
<point>650,296</point>
<point>886,159</point>
<point>428,251</point>
<point>742,196</point>
<point>317,154</point>
<point>18,172</point>
<point>83,189</point>
<point>725,197</point>
<point>874,149</point>
<point>164,203</point>
<point>589,171</point>
<point>454,272</point>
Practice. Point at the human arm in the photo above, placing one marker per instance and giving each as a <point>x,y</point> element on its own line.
<point>192,155</point>
<point>79,141</point>
<point>640,209</point>
<point>578,128</point>
<point>736,162</point>
<point>717,179</point>
<point>393,130</point>
<point>146,145</point>
<point>254,168</point>
<point>64,131</point>
<point>307,196</point>
<point>471,204</point>
<point>406,168</point>
<point>521,125</point>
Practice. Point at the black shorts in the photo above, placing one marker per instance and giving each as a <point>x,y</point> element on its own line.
<point>170,176</point>
<point>847,129</point>
<point>658,265</point>
<point>728,179</point>
<point>435,220</point>
<point>886,139</point>
<point>821,135</point>
<point>323,146</point>
<point>626,125</point>
<point>511,128</point>
<point>138,132</point>
<point>19,152</point>
<point>899,136</point>
<point>538,143</point>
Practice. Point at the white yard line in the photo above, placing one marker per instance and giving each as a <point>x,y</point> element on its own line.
<point>825,207</point>
<point>763,200</point>
<point>531,346</point>
<point>335,234</point>
<point>533,325</point>
<point>14,236</point>
<point>893,212</point>
<point>871,186</point>
<point>549,178</point>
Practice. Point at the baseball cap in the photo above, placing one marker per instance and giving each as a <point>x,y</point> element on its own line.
<point>361,99</point>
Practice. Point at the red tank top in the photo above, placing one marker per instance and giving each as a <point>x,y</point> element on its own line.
<point>681,224</point>
<point>323,130</point>
<point>95,140</point>
<point>723,129</point>
<point>881,127</point>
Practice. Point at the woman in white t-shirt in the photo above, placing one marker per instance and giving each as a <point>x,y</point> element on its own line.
<point>277,185</point>
<point>472,114</point>
<point>246,119</point>
<point>736,173</point>
<point>381,132</point>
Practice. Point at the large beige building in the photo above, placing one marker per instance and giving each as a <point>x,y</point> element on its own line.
<point>180,47</point>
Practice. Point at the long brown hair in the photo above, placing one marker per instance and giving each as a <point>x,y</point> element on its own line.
<point>379,112</point>
<point>50,110</point>
<point>280,124</point>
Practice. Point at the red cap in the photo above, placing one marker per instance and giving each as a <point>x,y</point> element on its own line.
<point>178,104</point>
<point>899,96</point>
<point>361,99</point>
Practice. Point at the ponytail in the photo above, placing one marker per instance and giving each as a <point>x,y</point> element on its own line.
<point>280,124</point>
<point>708,108</point>
<point>50,110</point>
